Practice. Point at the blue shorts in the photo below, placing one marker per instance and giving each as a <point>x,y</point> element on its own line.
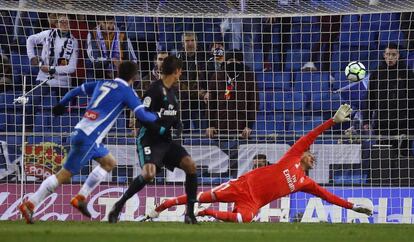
<point>82,150</point>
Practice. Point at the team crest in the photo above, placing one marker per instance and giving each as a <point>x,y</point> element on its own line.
<point>147,102</point>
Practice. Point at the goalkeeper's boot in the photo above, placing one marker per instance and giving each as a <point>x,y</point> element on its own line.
<point>113,215</point>
<point>79,202</point>
<point>190,219</point>
<point>27,208</point>
<point>153,214</point>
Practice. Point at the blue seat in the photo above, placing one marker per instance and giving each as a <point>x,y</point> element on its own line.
<point>258,61</point>
<point>272,122</point>
<point>53,139</point>
<point>307,82</point>
<point>325,101</point>
<point>389,21</point>
<point>63,124</point>
<point>296,59</point>
<point>303,124</point>
<point>290,101</point>
<point>394,36</point>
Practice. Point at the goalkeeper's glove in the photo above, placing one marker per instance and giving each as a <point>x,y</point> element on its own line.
<point>362,209</point>
<point>59,109</point>
<point>343,113</point>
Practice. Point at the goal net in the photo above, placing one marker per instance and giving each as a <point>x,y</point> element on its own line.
<point>291,57</point>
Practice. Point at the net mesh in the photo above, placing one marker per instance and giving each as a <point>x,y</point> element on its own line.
<point>294,54</point>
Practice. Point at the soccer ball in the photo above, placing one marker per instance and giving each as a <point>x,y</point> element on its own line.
<point>355,71</point>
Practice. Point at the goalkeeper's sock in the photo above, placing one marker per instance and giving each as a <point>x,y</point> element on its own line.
<point>224,216</point>
<point>191,191</point>
<point>171,202</point>
<point>47,187</point>
<point>93,180</point>
<point>137,184</point>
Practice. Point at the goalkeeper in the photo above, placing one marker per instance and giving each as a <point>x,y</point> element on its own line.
<point>259,187</point>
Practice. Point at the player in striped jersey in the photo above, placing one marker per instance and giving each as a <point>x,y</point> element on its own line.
<point>109,98</point>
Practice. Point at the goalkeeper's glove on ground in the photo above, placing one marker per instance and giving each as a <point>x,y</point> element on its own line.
<point>343,113</point>
<point>59,109</point>
<point>362,209</point>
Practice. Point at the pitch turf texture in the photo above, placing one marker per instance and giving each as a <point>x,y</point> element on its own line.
<point>155,231</point>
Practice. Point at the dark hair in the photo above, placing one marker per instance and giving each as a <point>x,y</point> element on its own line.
<point>127,70</point>
<point>170,65</point>
<point>259,157</point>
<point>392,45</point>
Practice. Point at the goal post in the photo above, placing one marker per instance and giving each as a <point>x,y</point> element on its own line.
<point>291,57</point>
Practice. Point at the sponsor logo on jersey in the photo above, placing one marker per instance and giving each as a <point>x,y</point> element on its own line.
<point>289,180</point>
<point>91,115</point>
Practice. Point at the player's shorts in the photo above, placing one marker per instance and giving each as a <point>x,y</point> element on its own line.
<point>237,191</point>
<point>82,150</point>
<point>163,153</point>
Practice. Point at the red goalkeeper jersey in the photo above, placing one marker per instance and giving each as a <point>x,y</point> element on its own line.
<point>287,176</point>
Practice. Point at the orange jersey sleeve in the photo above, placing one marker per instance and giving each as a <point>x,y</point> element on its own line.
<point>315,189</point>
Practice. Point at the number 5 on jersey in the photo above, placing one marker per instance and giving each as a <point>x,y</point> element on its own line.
<point>147,150</point>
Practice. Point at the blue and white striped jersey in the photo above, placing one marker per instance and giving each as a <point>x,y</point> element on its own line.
<point>109,98</point>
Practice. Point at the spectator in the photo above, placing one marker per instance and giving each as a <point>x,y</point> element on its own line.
<point>407,25</point>
<point>215,60</point>
<point>260,160</point>
<point>156,71</point>
<point>232,99</point>
<point>192,82</point>
<point>58,58</point>
<point>5,73</point>
<point>142,33</point>
<point>79,29</point>
<point>237,32</point>
<point>154,75</point>
<point>330,27</point>
<point>107,46</point>
<point>390,99</point>
<point>143,85</point>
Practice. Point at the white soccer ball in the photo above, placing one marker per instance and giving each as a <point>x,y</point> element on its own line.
<point>355,71</point>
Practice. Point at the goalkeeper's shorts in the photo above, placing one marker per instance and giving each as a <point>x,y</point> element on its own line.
<point>237,191</point>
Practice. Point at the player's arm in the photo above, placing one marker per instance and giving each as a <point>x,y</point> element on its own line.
<point>141,112</point>
<point>35,40</point>
<point>314,189</point>
<point>84,89</point>
<point>341,115</point>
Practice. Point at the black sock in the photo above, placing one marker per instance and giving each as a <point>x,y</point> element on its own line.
<point>191,190</point>
<point>137,184</point>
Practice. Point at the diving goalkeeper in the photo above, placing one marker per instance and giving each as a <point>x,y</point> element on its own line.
<point>259,187</point>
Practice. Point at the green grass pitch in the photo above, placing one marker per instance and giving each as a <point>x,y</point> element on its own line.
<point>208,231</point>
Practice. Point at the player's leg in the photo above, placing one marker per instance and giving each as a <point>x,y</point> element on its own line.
<point>147,175</point>
<point>186,163</point>
<point>47,187</point>
<point>106,163</point>
<point>243,216</point>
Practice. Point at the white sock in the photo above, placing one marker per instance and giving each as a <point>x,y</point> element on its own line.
<point>93,180</point>
<point>47,187</point>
